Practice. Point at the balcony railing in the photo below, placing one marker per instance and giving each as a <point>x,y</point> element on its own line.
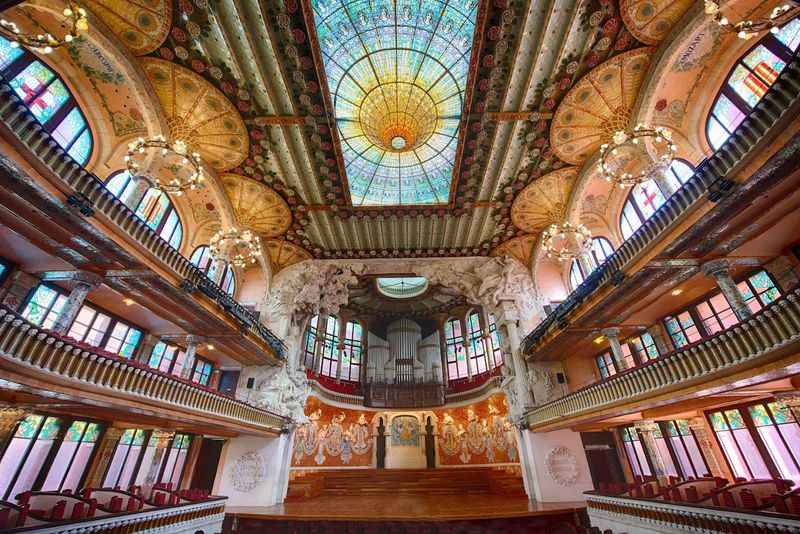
<point>43,351</point>
<point>746,343</point>
<point>711,178</point>
<point>94,196</point>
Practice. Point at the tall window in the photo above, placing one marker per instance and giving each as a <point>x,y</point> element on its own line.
<point>26,454</point>
<point>330,347</point>
<point>780,433</point>
<point>494,341</point>
<point>310,342</point>
<point>176,460</point>
<point>685,447</point>
<point>351,355</point>
<point>202,371</point>
<point>645,198</point>
<point>44,306</point>
<point>70,462</point>
<point>605,364</point>
<point>681,329</point>
<point>48,99</point>
<point>476,347</point>
<point>167,358</point>
<point>634,450</point>
<point>716,314</point>
<point>101,330</point>
<point>601,250</point>
<point>154,208</point>
<point>737,443</point>
<point>456,354</point>
<point>749,81</point>
<point>664,452</point>
<point>201,257</point>
<point>759,290</point>
<point>122,468</point>
<point>645,345</point>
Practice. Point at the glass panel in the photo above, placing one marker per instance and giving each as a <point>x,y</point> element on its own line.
<point>780,454</point>
<point>35,459</point>
<point>152,207</point>
<point>78,467</point>
<point>8,53</point>
<point>648,197</point>
<point>727,113</point>
<point>789,35</point>
<point>735,459</point>
<point>765,67</point>
<point>69,128</point>
<point>39,304</point>
<point>717,135</point>
<point>82,147</point>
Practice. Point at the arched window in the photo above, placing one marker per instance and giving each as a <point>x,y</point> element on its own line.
<point>645,198</point>
<point>310,342</point>
<point>201,257</point>
<point>330,345</point>
<point>749,81</point>
<point>477,350</point>
<point>456,356</point>
<point>153,206</point>
<point>48,99</point>
<point>601,250</point>
<point>494,340</point>
<point>351,354</point>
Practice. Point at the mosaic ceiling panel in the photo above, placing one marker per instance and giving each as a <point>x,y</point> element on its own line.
<point>397,73</point>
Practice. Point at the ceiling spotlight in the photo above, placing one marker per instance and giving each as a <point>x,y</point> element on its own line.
<point>676,292</point>
<point>209,346</point>
<point>128,301</point>
<point>598,340</point>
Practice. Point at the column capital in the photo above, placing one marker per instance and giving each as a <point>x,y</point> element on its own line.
<point>716,267</point>
<point>113,433</point>
<point>646,426</point>
<point>10,415</point>
<point>611,332</point>
<point>789,399</point>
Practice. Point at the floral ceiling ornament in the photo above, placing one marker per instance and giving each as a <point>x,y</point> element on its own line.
<point>566,241</point>
<point>747,29</point>
<point>189,162</point>
<point>636,147</point>
<point>76,22</point>
<point>240,248</point>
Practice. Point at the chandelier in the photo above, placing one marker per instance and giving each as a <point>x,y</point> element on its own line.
<point>180,182</point>
<point>654,144</point>
<point>566,241</point>
<point>747,29</point>
<point>46,43</point>
<point>237,247</point>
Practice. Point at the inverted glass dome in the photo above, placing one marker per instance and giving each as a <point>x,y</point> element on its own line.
<point>402,287</point>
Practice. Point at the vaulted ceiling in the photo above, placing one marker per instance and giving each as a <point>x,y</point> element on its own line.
<point>302,149</point>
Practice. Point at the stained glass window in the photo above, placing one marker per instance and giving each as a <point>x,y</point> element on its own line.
<point>456,353</point>
<point>681,329</point>
<point>48,99</point>
<point>202,371</point>
<point>634,450</point>
<point>102,330</point>
<point>201,257</point>
<point>738,445</point>
<point>645,198</point>
<point>750,80</point>
<point>72,458</point>
<point>599,253</point>
<point>26,454</point>
<point>351,354</point>
<point>402,287</point>
<point>397,72</point>
<point>759,290</point>
<point>716,314</point>
<point>172,472</point>
<point>646,346</point>
<point>330,347</point>
<point>477,348</point>
<point>151,205</point>
<point>494,340</point>
<point>167,358</point>
<point>605,364</point>
<point>684,445</point>
<point>310,342</point>
<point>44,306</point>
<point>780,434</point>
<point>123,465</point>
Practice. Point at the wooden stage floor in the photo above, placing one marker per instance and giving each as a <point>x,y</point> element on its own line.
<point>405,508</point>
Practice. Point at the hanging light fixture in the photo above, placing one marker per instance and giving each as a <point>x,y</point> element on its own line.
<point>747,29</point>
<point>566,241</point>
<point>240,248</point>
<point>45,43</point>
<point>190,162</point>
<point>654,144</point>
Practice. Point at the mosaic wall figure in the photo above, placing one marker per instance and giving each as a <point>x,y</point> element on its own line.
<point>478,434</point>
<point>332,437</point>
<point>405,431</point>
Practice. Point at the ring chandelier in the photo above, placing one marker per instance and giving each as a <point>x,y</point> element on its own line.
<point>46,43</point>
<point>240,248</point>
<point>658,138</point>
<point>566,241</point>
<point>747,29</point>
<point>177,148</point>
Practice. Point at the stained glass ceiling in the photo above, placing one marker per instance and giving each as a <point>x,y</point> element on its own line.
<point>397,70</point>
<point>402,287</point>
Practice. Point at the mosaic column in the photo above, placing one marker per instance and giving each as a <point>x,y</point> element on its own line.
<point>702,434</point>
<point>647,432</point>
<point>657,334</point>
<point>19,286</point>
<point>720,271</point>
<point>191,355</point>
<point>83,282</point>
<point>791,401</point>
<point>10,415</point>
<point>612,335</point>
<point>162,441</point>
<point>105,450</point>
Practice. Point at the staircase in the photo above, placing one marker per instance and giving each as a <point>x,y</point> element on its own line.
<point>391,482</point>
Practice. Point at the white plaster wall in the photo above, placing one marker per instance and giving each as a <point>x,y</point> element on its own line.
<point>277,453</point>
<point>539,484</point>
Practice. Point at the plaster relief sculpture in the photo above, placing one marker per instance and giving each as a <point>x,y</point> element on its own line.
<point>249,471</point>
<point>562,466</point>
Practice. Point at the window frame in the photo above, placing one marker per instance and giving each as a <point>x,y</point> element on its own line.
<point>207,364</point>
<point>476,343</point>
<point>681,438</point>
<point>455,341</point>
<point>175,357</point>
<point>311,337</point>
<point>329,357</point>
<point>140,454</point>
<point>227,281</point>
<point>114,321</point>
<point>354,347</point>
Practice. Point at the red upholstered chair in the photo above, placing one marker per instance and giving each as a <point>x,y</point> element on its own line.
<point>160,498</point>
<point>728,500</point>
<point>779,504</point>
<point>648,490</point>
<point>77,511</point>
<point>5,518</point>
<point>57,513</point>
<point>691,494</point>
<point>748,499</point>
<point>115,504</point>
<point>794,501</point>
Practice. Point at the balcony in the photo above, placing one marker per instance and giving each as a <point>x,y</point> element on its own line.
<point>759,342</point>
<point>713,180</point>
<point>33,356</point>
<point>89,197</point>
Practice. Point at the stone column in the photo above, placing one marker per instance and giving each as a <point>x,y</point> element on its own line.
<point>467,352</point>
<point>647,431</point>
<point>10,415</point>
<point>585,261</point>
<point>83,282</point>
<point>713,456</point>
<point>443,351</point>
<point>20,284</point>
<point>162,440</point>
<point>340,346</point>
<point>784,271</point>
<point>105,450</point>
<point>191,355</point>
<point>213,383</point>
<point>657,333</point>
<point>522,392</point>
<point>791,401</point>
<point>720,271</point>
<point>146,347</point>
<point>612,335</point>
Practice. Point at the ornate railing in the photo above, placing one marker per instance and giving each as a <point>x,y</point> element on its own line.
<point>35,348</point>
<point>403,395</point>
<point>774,327</point>
<point>710,179</point>
<point>93,196</point>
<point>625,514</point>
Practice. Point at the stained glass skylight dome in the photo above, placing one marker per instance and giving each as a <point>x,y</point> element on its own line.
<point>402,287</point>
<point>397,70</point>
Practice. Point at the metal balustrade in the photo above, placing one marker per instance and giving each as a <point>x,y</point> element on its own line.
<point>747,342</point>
<point>35,348</point>
<point>711,179</point>
<point>93,196</point>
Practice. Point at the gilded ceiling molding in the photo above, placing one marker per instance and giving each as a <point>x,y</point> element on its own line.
<point>283,254</point>
<point>256,206</point>
<point>598,105</point>
<point>651,20</point>
<point>199,114</point>
<point>544,201</point>
<point>142,25</point>
<point>520,248</point>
